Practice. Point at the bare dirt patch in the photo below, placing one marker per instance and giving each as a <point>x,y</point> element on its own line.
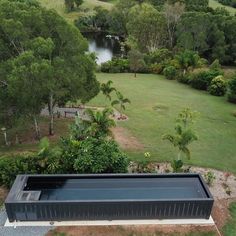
<point>150,230</point>
<point>126,140</point>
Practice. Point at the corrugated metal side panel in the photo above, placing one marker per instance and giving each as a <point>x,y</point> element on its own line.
<point>109,210</point>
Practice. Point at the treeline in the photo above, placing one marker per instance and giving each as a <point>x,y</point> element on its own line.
<point>174,25</point>
<point>43,63</point>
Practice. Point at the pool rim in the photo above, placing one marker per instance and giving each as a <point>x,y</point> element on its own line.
<point>21,180</point>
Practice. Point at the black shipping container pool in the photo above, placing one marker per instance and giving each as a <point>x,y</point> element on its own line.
<point>108,197</point>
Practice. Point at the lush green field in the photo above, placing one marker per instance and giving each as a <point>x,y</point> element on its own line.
<point>155,104</point>
<point>86,8</point>
<point>215,4</point>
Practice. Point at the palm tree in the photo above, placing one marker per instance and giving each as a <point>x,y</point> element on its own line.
<point>121,101</point>
<point>184,135</point>
<point>107,89</point>
<point>99,122</point>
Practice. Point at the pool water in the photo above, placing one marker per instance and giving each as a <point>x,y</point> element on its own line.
<point>117,189</point>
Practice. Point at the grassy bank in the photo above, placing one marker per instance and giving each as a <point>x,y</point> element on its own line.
<point>86,8</point>
<point>214,4</point>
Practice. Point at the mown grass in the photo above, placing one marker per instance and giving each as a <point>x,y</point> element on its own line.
<point>155,105</point>
<point>215,4</point>
<point>230,228</point>
<point>86,8</point>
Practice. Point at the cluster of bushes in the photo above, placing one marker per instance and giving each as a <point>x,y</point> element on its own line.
<point>91,155</point>
<point>116,65</point>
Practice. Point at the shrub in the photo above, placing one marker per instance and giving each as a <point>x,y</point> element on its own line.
<point>99,156</point>
<point>202,80</point>
<point>158,56</point>
<point>177,166</point>
<point>185,79</point>
<point>209,178</point>
<point>156,68</point>
<point>116,65</point>
<point>232,90</point>
<point>218,86</point>
<point>170,72</point>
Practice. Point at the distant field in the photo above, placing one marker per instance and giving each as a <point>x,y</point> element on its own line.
<point>86,8</point>
<point>215,4</point>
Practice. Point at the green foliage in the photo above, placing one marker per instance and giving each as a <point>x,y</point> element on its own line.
<point>136,61</point>
<point>184,134</point>
<point>170,72</point>
<point>185,79</point>
<point>120,101</point>
<point>99,156</point>
<point>107,89</point>
<point>99,123</point>
<point>215,65</point>
<point>116,65</point>
<point>202,80</point>
<point>187,61</point>
<point>232,90</point>
<point>209,178</point>
<point>177,166</point>
<point>90,155</point>
<point>44,61</point>
<point>146,27</point>
<point>218,86</point>
<point>70,4</point>
<point>215,40</point>
<point>159,56</point>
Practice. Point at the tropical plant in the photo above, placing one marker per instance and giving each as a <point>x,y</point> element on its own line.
<point>121,101</point>
<point>187,60</point>
<point>107,89</point>
<point>184,134</point>
<point>177,166</point>
<point>99,122</point>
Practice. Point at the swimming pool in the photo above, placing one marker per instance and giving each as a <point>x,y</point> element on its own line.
<point>108,197</point>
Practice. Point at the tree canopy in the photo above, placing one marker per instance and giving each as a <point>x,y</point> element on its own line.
<point>43,57</point>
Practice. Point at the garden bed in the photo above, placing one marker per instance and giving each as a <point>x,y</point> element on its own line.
<point>223,184</point>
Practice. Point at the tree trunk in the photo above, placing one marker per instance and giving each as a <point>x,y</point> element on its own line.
<point>135,74</point>
<point>5,138</point>
<point>51,124</point>
<point>37,129</point>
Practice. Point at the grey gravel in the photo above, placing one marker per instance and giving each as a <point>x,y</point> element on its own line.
<point>20,231</point>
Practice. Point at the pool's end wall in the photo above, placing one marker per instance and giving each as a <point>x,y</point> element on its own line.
<point>25,206</point>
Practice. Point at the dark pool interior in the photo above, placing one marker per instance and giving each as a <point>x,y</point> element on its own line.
<point>62,188</point>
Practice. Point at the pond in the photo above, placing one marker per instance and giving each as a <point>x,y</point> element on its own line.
<point>105,46</point>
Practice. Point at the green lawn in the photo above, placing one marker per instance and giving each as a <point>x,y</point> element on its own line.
<point>216,125</point>
<point>215,4</point>
<point>230,228</point>
<point>86,8</point>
